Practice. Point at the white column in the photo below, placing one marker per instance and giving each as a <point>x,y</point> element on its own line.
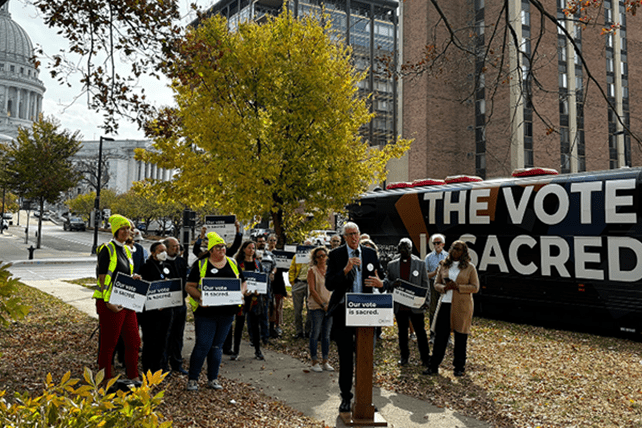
<point>516,87</point>
<point>572,98</point>
<point>617,83</point>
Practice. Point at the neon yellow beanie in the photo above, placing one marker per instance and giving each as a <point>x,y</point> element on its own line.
<point>213,238</point>
<point>117,221</point>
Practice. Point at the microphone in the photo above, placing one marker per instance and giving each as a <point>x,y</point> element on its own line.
<point>356,254</point>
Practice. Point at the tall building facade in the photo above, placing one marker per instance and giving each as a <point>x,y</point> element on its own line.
<point>370,27</point>
<point>21,90</point>
<point>500,100</point>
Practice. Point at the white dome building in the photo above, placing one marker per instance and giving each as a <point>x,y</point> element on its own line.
<point>20,89</point>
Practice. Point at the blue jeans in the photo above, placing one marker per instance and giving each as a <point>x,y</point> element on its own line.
<point>321,327</point>
<point>210,335</point>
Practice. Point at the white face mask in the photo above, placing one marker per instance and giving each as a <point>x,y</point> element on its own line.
<point>162,256</point>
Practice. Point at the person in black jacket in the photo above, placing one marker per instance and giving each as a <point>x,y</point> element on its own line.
<point>352,268</point>
<point>157,321</point>
<point>179,269</point>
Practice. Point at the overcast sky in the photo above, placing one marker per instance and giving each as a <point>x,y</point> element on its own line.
<point>59,100</point>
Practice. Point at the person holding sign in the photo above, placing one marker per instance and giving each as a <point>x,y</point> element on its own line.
<point>115,257</point>
<point>212,323</point>
<point>404,273</point>
<point>351,268</point>
<point>178,268</point>
<point>318,300</point>
<point>254,306</point>
<point>456,281</point>
<point>432,264</point>
<point>156,322</point>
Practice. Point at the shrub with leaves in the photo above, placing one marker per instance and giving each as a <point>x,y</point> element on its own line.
<point>68,405</point>
<point>11,307</point>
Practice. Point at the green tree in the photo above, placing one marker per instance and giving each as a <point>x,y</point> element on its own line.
<point>40,164</point>
<point>83,205</point>
<point>267,121</point>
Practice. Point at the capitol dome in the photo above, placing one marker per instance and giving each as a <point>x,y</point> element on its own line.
<point>20,89</point>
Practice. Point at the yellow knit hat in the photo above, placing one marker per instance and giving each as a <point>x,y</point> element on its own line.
<point>214,238</point>
<point>117,221</point>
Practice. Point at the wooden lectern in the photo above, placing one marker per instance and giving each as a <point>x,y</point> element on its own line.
<point>363,411</point>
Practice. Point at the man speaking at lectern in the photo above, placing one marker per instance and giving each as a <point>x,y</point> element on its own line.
<point>352,268</point>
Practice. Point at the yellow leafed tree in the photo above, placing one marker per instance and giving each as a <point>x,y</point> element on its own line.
<point>267,120</point>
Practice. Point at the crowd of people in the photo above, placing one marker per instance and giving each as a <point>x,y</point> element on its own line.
<point>447,279</point>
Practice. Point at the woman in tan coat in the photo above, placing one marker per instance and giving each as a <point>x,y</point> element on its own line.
<point>456,281</point>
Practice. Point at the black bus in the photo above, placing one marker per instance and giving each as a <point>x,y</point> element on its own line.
<point>561,251</point>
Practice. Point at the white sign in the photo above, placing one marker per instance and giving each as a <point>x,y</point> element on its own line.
<point>303,253</point>
<point>224,225</point>
<point>283,259</point>
<point>128,292</point>
<point>221,291</point>
<point>369,310</point>
<point>164,294</point>
<point>256,282</point>
<point>410,295</point>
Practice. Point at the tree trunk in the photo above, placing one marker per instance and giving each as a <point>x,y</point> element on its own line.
<point>277,220</point>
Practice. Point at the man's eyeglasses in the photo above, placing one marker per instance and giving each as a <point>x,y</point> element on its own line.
<point>437,242</point>
<point>219,247</point>
<point>322,256</point>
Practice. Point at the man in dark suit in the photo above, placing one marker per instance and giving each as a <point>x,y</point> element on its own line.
<point>178,267</point>
<point>352,268</point>
<point>410,268</point>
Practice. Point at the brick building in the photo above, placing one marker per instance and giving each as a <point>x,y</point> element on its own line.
<point>485,109</point>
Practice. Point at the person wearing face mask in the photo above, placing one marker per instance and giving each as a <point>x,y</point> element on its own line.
<point>156,322</point>
<point>139,255</point>
<point>456,281</point>
<point>178,267</point>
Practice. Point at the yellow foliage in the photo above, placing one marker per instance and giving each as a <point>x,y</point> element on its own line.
<point>268,121</point>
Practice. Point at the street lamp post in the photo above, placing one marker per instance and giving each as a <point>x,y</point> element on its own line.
<point>4,190</point>
<point>97,202</point>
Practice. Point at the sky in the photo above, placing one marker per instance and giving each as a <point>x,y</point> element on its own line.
<point>59,100</point>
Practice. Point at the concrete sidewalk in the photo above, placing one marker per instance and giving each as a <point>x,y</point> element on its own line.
<point>289,380</point>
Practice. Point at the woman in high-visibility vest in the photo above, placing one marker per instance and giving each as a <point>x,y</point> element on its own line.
<point>115,257</point>
<point>212,323</point>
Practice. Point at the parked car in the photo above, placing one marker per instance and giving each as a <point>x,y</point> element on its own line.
<point>322,237</point>
<point>7,216</point>
<point>74,223</point>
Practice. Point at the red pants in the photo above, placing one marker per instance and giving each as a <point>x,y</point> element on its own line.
<point>112,326</point>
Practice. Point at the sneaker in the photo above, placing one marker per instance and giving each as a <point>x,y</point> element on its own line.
<point>192,385</point>
<point>259,355</point>
<point>234,357</point>
<point>327,367</point>
<point>316,368</point>
<point>413,337</point>
<point>214,384</point>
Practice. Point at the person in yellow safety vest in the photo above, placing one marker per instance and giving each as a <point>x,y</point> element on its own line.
<point>212,323</point>
<point>114,257</point>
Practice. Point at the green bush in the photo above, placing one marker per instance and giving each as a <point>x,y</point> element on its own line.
<point>88,405</point>
<point>10,306</point>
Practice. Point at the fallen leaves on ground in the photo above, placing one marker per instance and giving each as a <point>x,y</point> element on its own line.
<point>516,375</point>
<point>56,338</point>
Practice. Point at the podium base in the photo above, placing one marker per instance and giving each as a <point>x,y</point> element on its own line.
<point>377,421</point>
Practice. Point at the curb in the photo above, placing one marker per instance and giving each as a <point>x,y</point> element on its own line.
<point>79,260</point>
